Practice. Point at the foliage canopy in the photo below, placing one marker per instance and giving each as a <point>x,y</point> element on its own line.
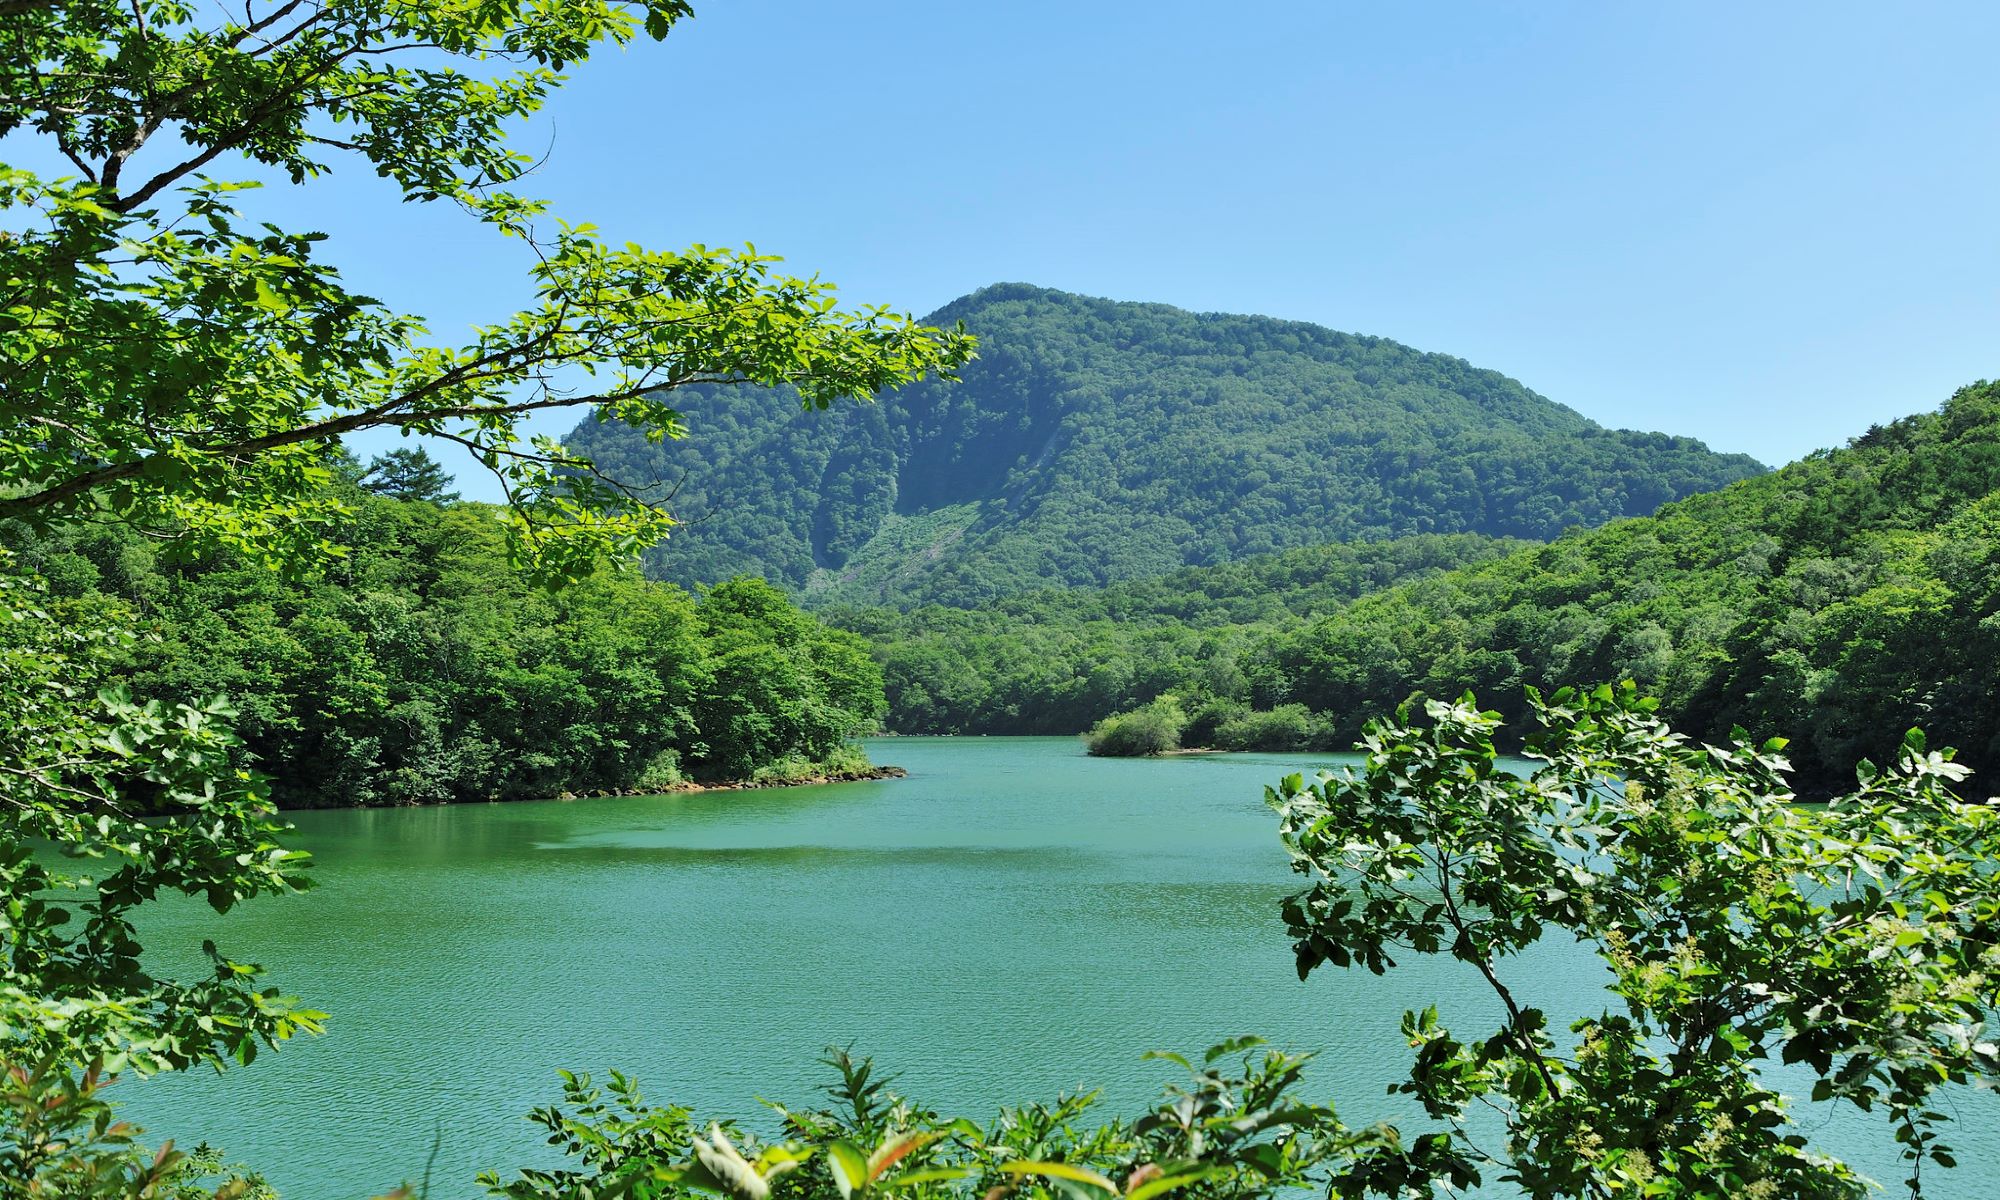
<point>174,365</point>
<point>1857,941</point>
<point>166,359</point>
<point>1057,660</point>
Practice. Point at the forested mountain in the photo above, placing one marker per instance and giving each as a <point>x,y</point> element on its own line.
<point>1837,601</point>
<point>1095,441</point>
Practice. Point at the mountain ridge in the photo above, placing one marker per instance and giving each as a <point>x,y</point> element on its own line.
<point>1099,440</point>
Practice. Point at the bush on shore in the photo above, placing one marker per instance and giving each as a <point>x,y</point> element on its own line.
<point>1286,727</point>
<point>1165,726</point>
<point>1154,729</point>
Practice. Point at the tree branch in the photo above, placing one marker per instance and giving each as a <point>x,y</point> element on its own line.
<point>1516,1025</point>
<point>390,412</point>
<point>261,24</point>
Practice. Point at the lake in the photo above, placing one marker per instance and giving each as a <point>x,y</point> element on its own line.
<point>1012,920</point>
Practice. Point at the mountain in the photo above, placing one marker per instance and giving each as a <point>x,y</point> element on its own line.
<point>1096,440</point>
<point>1837,601</point>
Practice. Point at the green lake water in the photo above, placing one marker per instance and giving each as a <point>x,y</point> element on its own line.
<point>1013,920</point>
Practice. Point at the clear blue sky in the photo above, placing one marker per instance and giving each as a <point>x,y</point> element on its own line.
<point>1766,225</point>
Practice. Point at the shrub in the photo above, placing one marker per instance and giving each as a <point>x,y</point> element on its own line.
<point>1286,727</point>
<point>1237,1129</point>
<point>1207,721</point>
<point>1855,941</point>
<point>846,759</point>
<point>1154,729</point>
<point>662,771</point>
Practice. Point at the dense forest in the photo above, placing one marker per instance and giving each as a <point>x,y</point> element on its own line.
<point>1054,661</point>
<point>422,667</point>
<point>1094,441</point>
<point>1837,601</point>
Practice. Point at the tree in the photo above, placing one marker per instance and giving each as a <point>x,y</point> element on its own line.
<point>168,363</point>
<point>163,359</point>
<point>779,682</point>
<point>1857,941</point>
<point>409,475</point>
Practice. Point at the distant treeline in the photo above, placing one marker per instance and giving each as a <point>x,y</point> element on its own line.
<point>1055,661</point>
<point>422,668</point>
<point>1837,601</point>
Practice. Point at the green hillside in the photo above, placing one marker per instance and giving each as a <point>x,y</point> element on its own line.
<point>1095,441</point>
<point>1837,601</point>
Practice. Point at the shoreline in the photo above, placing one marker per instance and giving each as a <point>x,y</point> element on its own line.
<point>858,775</point>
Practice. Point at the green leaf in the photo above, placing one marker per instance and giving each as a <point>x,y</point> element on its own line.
<point>848,1167</point>
<point>1060,1170</point>
<point>894,1149</point>
<point>1231,1046</point>
<point>722,1168</point>
<point>1168,1183</point>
